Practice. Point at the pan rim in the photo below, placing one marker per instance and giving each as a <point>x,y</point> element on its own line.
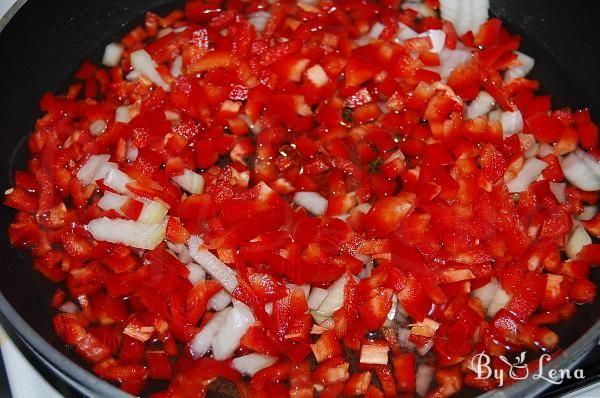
<point>16,327</point>
<point>83,380</point>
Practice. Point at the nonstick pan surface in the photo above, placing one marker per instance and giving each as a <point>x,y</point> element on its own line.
<point>45,41</point>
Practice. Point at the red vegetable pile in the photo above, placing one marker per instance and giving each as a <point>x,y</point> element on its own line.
<point>333,198</point>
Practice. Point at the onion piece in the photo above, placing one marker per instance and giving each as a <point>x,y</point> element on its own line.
<point>153,212</point>
<point>228,337</point>
<point>335,297</point>
<point>526,65</point>
<point>252,363</point>
<point>421,8</point>
<point>545,150</point>
<point>177,66</point>
<point>259,20</point>
<point>311,201</point>
<point>486,293</point>
<point>450,60</point>
<point>582,170</point>
<point>122,114</point>
<point>316,297</point>
<point>132,153</point>
<point>190,181</point>
<point>466,15</point>
<point>98,127</point>
<point>112,54</point>
<point>423,378</point>
<point>87,171</point>
<point>480,106</point>
<point>112,201</point>
<point>530,172</point>
<point>202,341</point>
<point>317,75</point>
<point>211,264</point>
<point>69,307</point>
<point>588,213</point>
<point>220,300</point>
<point>512,123</point>
<point>197,273</point>
<point>143,63</point>
<point>559,189</point>
<point>499,301</point>
<point>578,239</point>
<point>117,180</point>
<point>405,33</point>
<point>127,232</point>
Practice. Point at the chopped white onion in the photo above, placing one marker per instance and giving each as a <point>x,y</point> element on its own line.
<point>112,201</point>
<point>143,63</point>
<point>405,33</point>
<point>133,75</point>
<point>578,239</point>
<point>252,363</point>
<point>419,7</point>
<point>153,212</point>
<point>423,379</point>
<point>559,189</point>
<point>316,297</point>
<point>480,106</point>
<point>190,181</point>
<point>530,172</point>
<point>438,39</point>
<point>177,66</point>
<point>220,300</point>
<point>311,201</point>
<point>98,127</point>
<point>367,269</point>
<point>112,54</point>
<point>512,123</point>
<point>526,65</point>
<point>132,153</point>
<point>202,341</point>
<point>529,145</point>
<point>197,273</point>
<point>588,213</point>
<point>335,297</point>
<point>486,293</point>
<point>450,60</point>
<point>582,170</point>
<point>499,301</point>
<point>228,337</point>
<point>127,232</point>
<point>466,15</point>
<point>69,307</point>
<point>544,150</point>
<point>163,32</point>
<point>316,74</point>
<point>122,114</point>
<point>87,171</point>
<point>211,264</point>
<point>259,20</point>
<point>117,180</point>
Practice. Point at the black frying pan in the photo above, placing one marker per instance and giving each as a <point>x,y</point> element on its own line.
<point>45,41</point>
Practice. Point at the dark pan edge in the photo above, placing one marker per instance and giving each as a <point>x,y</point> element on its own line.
<point>26,338</point>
